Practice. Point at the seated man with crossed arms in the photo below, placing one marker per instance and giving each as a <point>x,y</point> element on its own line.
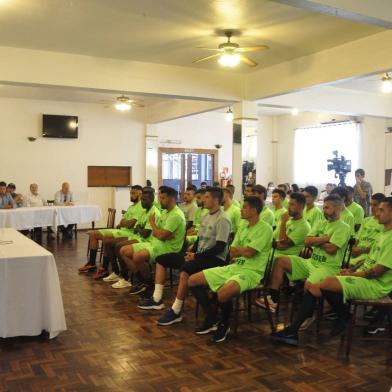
<point>249,254</point>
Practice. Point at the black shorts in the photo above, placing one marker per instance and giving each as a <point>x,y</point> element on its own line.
<point>199,265</point>
<point>171,260</point>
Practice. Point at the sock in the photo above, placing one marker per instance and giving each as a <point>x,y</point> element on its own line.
<point>114,264</point>
<point>226,309</point>
<point>158,293</point>
<point>201,295</point>
<point>93,255</point>
<point>305,311</point>
<point>177,305</point>
<point>336,301</point>
<point>105,262</point>
<point>274,295</point>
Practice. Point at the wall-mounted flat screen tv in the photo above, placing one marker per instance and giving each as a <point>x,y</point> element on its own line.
<point>65,127</point>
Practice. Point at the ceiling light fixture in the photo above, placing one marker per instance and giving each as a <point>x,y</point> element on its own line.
<point>386,85</point>
<point>294,111</point>
<point>123,103</point>
<point>229,60</point>
<point>229,115</point>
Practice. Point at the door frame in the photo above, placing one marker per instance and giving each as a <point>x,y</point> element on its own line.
<point>168,150</point>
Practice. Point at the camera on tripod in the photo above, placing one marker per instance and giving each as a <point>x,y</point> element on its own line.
<point>341,166</point>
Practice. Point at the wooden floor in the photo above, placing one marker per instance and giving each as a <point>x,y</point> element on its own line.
<point>110,345</point>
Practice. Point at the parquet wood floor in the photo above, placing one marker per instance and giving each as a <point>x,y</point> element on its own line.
<point>110,345</point>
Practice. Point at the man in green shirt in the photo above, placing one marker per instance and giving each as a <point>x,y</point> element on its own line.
<point>167,237</point>
<point>368,232</point>
<point>285,189</point>
<point>233,212</point>
<point>355,208</point>
<point>249,254</point>
<point>266,214</point>
<point>312,213</point>
<point>278,196</point>
<point>200,212</point>
<point>122,230</point>
<point>373,280</point>
<point>231,187</point>
<point>346,216</point>
<point>328,239</point>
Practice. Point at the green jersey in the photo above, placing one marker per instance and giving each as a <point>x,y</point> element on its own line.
<point>134,211</point>
<point>234,213</point>
<point>313,215</point>
<point>144,221</point>
<point>174,222</point>
<point>286,203</point>
<point>296,231</point>
<point>257,237</point>
<point>278,214</point>
<point>200,212</point>
<point>381,254</point>
<point>347,217</point>
<point>236,203</point>
<point>339,233</point>
<point>357,211</point>
<point>267,216</point>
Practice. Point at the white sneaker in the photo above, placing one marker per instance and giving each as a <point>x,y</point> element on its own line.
<point>261,303</point>
<point>111,278</point>
<point>121,284</point>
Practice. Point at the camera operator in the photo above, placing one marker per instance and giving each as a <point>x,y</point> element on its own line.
<point>362,191</point>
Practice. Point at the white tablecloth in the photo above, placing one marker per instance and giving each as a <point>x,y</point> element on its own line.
<point>30,295</point>
<point>29,217</point>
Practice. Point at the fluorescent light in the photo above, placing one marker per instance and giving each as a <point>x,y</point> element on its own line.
<point>386,84</point>
<point>294,111</point>
<point>229,115</point>
<point>229,60</point>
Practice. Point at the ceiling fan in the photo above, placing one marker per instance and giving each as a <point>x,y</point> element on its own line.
<point>231,54</point>
<point>124,103</point>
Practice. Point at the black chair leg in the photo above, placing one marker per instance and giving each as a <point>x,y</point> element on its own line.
<point>351,331</point>
<point>236,311</point>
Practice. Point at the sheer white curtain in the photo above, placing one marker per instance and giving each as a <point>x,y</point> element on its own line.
<point>314,145</point>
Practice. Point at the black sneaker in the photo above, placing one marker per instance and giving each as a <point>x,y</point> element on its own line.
<point>374,330</point>
<point>206,328</point>
<point>331,316</point>
<point>137,289</point>
<point>149,303</point>
<point>339,327</point>
<point>169,318</point>
<point>286,336</point>
<point>371,314</point>
<point>221,333</point>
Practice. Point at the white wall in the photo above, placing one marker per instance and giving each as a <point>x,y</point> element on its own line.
<point>200,131</point>
<point>105,138</point>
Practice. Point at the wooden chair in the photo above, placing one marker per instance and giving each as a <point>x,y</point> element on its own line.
<point>385,302</point>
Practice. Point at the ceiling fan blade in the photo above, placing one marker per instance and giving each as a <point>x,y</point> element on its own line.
<point>213,49</point>
<point>206,58</point>
<point>248,61</point>
<point>137,104</point>
<point>258,48</point>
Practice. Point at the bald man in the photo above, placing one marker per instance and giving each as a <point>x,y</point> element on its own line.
<point>34,199</point>
<point>64,197</point>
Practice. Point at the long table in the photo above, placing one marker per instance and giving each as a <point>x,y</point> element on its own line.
<point>30,294</point>
<point>26,218</point>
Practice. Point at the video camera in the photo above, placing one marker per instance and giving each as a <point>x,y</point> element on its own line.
<point>341,165</point>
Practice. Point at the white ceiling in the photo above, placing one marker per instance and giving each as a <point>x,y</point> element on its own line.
<point>370,84</point>
<point>168,31</point>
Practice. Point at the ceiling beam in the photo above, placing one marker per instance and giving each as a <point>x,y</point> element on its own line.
<point>374,12</point>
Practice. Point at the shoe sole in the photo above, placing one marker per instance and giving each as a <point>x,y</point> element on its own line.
<point>291,342</point>
<point>223,338</point>
<point>110,280</point>
<point>177,320</point>
<point>124,287</point>
<point>206,331</point>
<point>138,292</point>
<point>376,331</point>
<point>153,307</point>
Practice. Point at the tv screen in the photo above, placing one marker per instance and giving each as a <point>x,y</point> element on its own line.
<point>60,126</point>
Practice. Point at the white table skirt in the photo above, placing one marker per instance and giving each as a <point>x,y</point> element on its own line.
<point>26,218</point>
<point>30,294</point>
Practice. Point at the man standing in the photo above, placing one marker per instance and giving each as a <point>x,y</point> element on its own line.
<point>6,201</point>
<point>362,191</point>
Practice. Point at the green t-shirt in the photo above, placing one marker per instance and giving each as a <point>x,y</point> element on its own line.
<point>173,221</point>
<point>234,213</point>
<point>144,220</point>
<point>313,215</point>
<point>381,254</point>
<point>278,214</point>
<point>339,233</point>
<point>200,212</point>
<point>134,211</point>
<point>267,216</point>
<point>296,231</point>
<point>286,203</point>
<point>347,217</point>
<point>357,212</point>
<point>257,237</point>
<point>236,203</point>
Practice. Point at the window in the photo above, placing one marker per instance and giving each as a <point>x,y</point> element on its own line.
<point>314,145</point>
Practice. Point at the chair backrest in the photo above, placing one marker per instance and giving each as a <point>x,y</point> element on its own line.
<point>111,218</point>
<point>268,267</point>
<point>348,252</point>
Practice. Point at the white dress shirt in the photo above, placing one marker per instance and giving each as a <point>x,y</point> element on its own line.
<point>32,200</point>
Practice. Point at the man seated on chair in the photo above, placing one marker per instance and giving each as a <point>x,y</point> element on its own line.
<point>249,255</point>
<point>266,214</point>
<point>346,216</point>
<point>233,212</point>
<point>123,229</point>
<point>372,281</point>
<point>139,233</point>
<point>355,208</point>
<point>200,212</point>
<point>188,206</point>
<point>209,250</point>
<point>6,200</point>
<point>166,237</point>
<point>64,197</point>
<point>311,212</point>
<point>277,205</point>
<point>231,188</point>
<point>328,239</point>
<point>367,234</point>
<point>17,197</point>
